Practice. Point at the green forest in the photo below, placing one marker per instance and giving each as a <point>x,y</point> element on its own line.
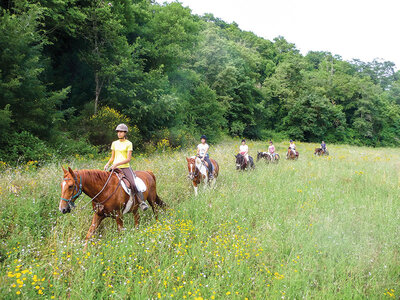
<point>70,70</point>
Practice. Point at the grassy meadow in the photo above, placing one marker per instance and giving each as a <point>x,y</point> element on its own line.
<point>316,228</point>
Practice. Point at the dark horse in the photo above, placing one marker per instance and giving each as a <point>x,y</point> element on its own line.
<point>291,155</point>
<point>108,197</point>
<point>198,172</point>
<point>319,152</point>
<point>242,164</point>
<point>269,158</point>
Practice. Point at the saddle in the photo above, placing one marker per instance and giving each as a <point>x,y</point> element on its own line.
<point>140,186</point>
<point>126,185</point>
<point>128,188</point>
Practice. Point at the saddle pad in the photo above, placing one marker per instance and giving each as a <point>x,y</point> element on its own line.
<point>140,185</point>
<point>126,189</point>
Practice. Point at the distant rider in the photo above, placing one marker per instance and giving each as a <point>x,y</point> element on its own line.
<point>244,150</point>
<point>292,147</point>
<point>323,146</point>
<point>121,154</point>
<point>271,149</point>
<point>202,152</point>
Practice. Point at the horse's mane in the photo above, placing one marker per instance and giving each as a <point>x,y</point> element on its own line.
<point>94,175</point>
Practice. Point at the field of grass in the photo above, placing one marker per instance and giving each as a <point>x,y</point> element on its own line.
<point>316,228</point>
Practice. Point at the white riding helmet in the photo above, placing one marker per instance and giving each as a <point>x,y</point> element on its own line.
<point>122,127</point>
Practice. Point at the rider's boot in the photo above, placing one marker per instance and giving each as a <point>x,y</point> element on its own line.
<point>142,204</point>
<point>210,173</point>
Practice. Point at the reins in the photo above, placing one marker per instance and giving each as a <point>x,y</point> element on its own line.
<point>70,202</point>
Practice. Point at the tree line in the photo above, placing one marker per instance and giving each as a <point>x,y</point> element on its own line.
<point>70,70</point>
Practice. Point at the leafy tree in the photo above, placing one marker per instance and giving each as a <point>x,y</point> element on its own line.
<point>24,98</point>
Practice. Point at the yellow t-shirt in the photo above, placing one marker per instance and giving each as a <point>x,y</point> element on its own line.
<point>121,151</point>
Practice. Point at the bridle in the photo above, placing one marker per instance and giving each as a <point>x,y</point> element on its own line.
<point>242,161</point>
<point>77,190</point>
<point>193,175</point>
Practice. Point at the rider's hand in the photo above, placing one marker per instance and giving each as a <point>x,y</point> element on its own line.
<point>114,167</point>
<point>106,167</point>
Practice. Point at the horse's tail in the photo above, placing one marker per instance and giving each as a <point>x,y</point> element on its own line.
<point>158,199</point>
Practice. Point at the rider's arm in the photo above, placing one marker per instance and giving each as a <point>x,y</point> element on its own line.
<point>110,160</point>
<point>125,161</point>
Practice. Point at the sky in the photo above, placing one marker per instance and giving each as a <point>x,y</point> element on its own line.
<point>363,29</point>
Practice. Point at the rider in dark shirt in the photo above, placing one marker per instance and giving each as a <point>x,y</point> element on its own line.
<point>323,146</point>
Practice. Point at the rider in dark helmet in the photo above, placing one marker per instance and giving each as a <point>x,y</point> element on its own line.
<point>323,146</point>
<point>202,152</point>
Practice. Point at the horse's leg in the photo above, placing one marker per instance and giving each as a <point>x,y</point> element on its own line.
<point>195,188</point>
<point>213,182</point>
<point>137,216</point>
<point>95,223</point>
<point>151,200</point>
<point>119,221</point>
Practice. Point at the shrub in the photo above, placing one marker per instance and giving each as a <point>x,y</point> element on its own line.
<point>101,128</point>
<point>64,146</point>
<point>23,147</point>
<point>269,135</point>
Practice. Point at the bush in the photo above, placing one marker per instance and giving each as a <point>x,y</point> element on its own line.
<point>270,135</point>
<point>101,128</point>
<point>64,146</point>
<point>23,147</point>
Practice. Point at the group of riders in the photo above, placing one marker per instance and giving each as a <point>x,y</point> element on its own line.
<point>121,155</point>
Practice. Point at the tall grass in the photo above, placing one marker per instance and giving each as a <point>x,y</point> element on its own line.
<point>319,227</point>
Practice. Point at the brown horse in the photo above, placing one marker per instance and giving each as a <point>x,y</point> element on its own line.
<point>291,155</point>
<point>319,152</point>
<point>108,197</point>
<point>198,172</point>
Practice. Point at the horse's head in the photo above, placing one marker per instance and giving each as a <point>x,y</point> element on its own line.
<point>71,188</point>
<point>259,155</point>
<point>239,161</point>
<point>191,167</point>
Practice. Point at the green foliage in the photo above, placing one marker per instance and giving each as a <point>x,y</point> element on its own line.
<point>22,147</point>
<point>315,118</point>
<point>101,127</point>
<point>204,113</point>
<point>165,68</point>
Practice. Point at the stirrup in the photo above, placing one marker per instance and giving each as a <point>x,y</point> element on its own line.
<point>143,206</point>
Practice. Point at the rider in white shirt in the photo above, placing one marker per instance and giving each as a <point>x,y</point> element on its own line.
<point>292,147</point>
<point>202,152</point>
<point>244,150</point>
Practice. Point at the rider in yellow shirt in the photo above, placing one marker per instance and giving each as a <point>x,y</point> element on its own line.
<point>121,155</point>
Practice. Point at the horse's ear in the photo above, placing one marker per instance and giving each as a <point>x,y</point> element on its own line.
<point>65,171</point>
<point>71,172</point>
<point>187,158</point>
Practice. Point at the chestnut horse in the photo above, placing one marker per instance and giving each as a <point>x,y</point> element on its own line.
<point>107,196</point>
<point>319,152</point>
<point>198,172</point>
<point>291,155</point>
